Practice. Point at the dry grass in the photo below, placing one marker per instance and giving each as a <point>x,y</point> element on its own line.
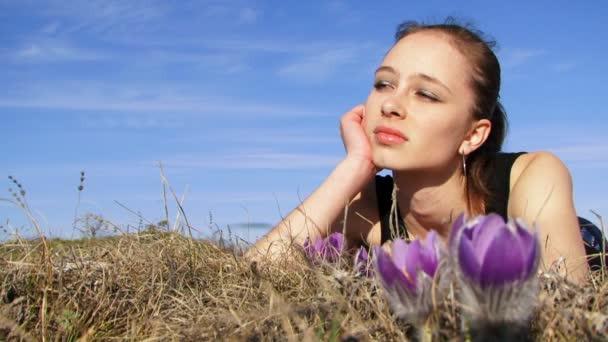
<point>164,286</point>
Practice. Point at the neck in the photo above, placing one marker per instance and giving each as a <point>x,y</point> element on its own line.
<point>429,200</point>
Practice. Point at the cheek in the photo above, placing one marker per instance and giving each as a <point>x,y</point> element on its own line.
<point>368,119</point>
<point>436,132</point>
<point>446,134</point>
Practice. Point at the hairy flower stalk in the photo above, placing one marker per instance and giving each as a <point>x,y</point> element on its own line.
<point>495,263</point>
<point>407,275</point>
<point>327,249</point>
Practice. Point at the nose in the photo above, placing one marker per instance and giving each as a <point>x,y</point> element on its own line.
<point>392,107</point>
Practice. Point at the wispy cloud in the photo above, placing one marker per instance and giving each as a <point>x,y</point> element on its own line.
<point>577,128</point>
<point>513,57</point>
<point>138,122</point>
<point>112,19</point>
<point>231,196</point>
<point>563,66</point>
<point>578,144</point>
<point>248,15</point>
<point>53,51</point>
<point>584,155</point>
<point>148,168</point>
<point>141,98</point>
<point>105,16</point>
<point>51,28</point>
<point>98,167</point>
<point>223,62</point>
<point>254,45</point>
<point>267,136</point>
<point>255,160</point>
<point>320,65</point>
<point>342,11</point>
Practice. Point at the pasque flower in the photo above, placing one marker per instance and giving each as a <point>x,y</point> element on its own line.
<point>493,253</point>
<point>407,276</point>
<point>495,263</point>
<point>327,249</point>
<point>361,263</point>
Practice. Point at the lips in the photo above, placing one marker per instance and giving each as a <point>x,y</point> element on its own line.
<point>389,136</point>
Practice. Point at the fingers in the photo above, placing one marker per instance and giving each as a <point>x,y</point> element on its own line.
<point>359,110</point>
<point>356,114</point>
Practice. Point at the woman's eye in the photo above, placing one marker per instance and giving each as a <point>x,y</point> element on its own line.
<point>381,84</point>
<point>428,95</point>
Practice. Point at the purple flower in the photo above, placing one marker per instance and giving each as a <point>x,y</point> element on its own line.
<point>407,276</point>
<point>361,263</point>
<point>329,249</point>
<point>495,263</point>
<point>493,253</point>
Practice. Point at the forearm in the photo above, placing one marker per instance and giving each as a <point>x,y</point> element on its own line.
<point>320,210</point>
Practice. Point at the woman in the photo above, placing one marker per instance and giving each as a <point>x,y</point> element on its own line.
<point>433,118</point>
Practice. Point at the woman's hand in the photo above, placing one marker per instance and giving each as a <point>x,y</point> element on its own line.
<point>322,211</point>
<point>356,142</point>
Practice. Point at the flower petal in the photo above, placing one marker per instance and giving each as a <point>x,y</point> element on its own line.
<point>312,248</point>
<point>456,228</point>
<point>429,258</point>
<point>529,246</point>
<point>387,270</point>
<point>336,240</point>
<point>399,252</point>
<point>412,261</point>
<point>485,232</point>
<point>332,247</point>
<point>504,260</point>
<point>361,256</point>
<point>467,259</point>
<point>361,262</point>
<point>317,247</point>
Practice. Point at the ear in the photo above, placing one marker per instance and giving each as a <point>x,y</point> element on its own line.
<point>477,135</point>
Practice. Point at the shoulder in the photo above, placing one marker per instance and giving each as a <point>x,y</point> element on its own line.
<point>538,166</point>
<point>539,179</point>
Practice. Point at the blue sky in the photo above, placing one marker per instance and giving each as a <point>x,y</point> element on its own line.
<point>240,99</point>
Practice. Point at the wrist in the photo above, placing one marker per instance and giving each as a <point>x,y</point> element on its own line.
<point>362,164</point>
<point>358,168</point>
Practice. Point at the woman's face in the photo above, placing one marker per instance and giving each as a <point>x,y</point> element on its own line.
<point>419,110</point>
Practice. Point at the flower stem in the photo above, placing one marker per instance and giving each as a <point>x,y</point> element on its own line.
<point>499,331</point>
<point>423,332</point>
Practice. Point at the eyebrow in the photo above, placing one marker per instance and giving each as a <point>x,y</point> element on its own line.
<point>386,68</point>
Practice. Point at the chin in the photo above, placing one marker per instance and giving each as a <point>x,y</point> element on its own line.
<point>382,161</point>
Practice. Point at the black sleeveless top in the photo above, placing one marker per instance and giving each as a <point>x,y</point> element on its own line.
<point>499,167</point>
